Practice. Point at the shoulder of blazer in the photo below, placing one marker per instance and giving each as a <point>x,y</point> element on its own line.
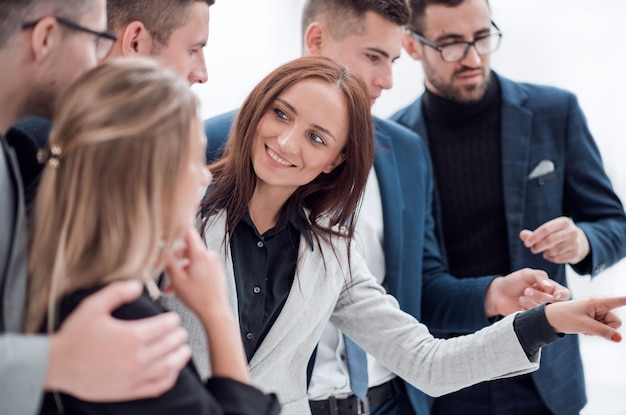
<point>412,117</point>
<point>532,96</point>
<point>217,130</point>
<point>394,130</point>
<point>391,136</point>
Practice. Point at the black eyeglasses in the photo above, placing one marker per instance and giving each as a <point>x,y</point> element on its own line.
<point>104,40</point>
<point>456,51</point>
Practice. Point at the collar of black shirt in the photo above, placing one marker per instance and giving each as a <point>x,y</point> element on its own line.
<point>294,217</point>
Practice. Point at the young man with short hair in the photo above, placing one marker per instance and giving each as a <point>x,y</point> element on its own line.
<point>175,33</point>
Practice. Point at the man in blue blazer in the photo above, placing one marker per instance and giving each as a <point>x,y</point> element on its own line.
<point>519,183</point>
<point>396,227</point>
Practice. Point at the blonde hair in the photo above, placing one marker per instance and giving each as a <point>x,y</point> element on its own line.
<point>104,208</point>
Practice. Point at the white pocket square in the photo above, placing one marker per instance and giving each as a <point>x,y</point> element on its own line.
<point>544,168</point>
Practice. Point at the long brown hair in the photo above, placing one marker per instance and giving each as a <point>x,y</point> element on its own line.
<point>331,199</point>
<point>104,211</point>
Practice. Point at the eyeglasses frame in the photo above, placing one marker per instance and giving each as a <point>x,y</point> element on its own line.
<point>438,48</point>
<point>74,26</point>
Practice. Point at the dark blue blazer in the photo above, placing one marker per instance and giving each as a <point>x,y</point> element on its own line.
<point>415,273</point>
<point>545,123</point>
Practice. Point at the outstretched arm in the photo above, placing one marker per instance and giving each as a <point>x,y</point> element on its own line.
<point>96,357</point>
<point>593,316</point>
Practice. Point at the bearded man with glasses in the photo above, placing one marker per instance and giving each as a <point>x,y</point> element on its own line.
<point>519,183</point>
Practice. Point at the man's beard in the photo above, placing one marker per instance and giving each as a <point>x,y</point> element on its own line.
<point>466,94</point>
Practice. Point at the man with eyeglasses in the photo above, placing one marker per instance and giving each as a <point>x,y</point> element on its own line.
<point>44,46</point>
<point>519,183</point>
<point>174,33</point>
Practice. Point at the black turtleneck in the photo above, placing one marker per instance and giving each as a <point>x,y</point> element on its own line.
<point>465,147</point>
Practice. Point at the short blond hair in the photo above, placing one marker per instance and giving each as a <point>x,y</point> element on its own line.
<point>104,209</point>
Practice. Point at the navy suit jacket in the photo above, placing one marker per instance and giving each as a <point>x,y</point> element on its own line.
<point>415,273</point>
<point>544,123</point>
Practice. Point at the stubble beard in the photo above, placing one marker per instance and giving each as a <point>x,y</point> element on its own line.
<point>464,94</point>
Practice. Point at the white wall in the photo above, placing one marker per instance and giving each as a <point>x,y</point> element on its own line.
<point>574,44</point>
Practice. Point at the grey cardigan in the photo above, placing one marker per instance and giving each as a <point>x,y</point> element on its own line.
<point>23,359</point>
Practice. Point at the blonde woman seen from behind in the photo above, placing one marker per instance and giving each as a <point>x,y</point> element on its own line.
<point>117,200</point>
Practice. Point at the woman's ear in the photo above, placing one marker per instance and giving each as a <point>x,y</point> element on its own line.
<point>412,46</point>
<point>135,40</point>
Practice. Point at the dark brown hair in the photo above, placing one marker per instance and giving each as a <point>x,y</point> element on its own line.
<point>418,10</point>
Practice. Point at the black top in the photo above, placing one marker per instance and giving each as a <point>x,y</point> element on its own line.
<point>533,330</point>
<point>28,136</point>
<point>188,396</point>
<point>264,268</point>
<point>465,146</point>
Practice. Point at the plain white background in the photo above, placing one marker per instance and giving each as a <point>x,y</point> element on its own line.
<point>573,44</point>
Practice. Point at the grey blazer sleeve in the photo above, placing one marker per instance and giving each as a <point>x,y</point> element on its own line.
<point>435,366</point>
<point>23,365</point>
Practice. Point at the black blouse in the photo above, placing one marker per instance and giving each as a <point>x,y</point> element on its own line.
<point>188,396</point>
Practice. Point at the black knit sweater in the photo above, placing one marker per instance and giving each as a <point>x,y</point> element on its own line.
<point>465,145</point>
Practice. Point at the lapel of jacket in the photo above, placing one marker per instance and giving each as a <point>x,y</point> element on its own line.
<point>15,279</point>
<point>391,199</point>
<point>516,138</point>
<point>309,269</point>
<point>414,119</point>
<point>214,239</point>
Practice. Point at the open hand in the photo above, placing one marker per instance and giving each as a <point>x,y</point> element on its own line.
<point>522,290</point>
